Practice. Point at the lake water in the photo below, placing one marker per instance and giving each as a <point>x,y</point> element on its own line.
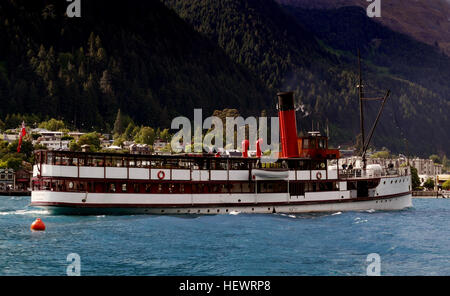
<point>409,242</point>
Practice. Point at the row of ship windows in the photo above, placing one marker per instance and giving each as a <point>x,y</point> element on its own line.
<point>180,163</point>
<point>399,181</point>
<point>238,187</point>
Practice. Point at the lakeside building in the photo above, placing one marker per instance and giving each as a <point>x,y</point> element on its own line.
<point>10,138</point>
<point>159,144</point>
<point>6,179</point>
<point>75,135</point>
<point>14,181</point>
<point>140,149</point>
<point>52,140</point>
<point>426,167</point>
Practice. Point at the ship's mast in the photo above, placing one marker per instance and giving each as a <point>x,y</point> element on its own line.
<point>361,112</point>
<point>364,143</point>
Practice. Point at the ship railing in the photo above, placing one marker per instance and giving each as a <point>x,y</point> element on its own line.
<point>368,173</point>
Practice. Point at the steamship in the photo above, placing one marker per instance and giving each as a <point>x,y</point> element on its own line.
<point>305,178</point>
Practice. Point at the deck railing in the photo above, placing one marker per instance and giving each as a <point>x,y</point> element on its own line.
<point>370,173</point>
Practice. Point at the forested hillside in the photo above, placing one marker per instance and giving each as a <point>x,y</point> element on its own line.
<point>138,56</point>
<point>157,60</point>
<point>324,76</point>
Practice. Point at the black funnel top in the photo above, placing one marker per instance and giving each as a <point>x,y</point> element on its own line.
<point>285,101</point>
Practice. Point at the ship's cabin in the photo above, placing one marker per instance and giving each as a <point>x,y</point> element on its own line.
<point>315,146</point>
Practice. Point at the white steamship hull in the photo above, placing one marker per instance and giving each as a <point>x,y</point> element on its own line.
<point>386,196</point>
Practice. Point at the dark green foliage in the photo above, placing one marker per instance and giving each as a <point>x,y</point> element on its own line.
<point>314,54</point>
<point>142,58</point>
<point>137,56</point>
<point>415,180</point>
<point>429,184</point>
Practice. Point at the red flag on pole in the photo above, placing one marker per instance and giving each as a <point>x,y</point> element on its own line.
<point>23,132</point>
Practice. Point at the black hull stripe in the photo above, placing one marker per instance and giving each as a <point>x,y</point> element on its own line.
<point>210,205</point>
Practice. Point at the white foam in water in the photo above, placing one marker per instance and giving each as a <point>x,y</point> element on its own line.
<point>361,221</point>
<point>337,213</point>
<point>292,216</point>
<point>25,212</point>
<point>234,213</point>
<point>370,211</point>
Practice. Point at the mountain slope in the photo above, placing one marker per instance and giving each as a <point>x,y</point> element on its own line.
<point>137,56</point>
<point>424,20</point>
<point>324,77</point>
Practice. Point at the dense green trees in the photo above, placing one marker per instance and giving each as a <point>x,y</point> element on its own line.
<point>150,64</point>
<point>314,54</point>
<point>415,180</point>
<point>429,184</point>
<point>142,58</point>
<point>52,125</point>
<point>446,185</point>
<point>9,158</point>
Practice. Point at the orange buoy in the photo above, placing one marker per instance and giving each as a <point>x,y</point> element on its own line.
<point>38,225</point>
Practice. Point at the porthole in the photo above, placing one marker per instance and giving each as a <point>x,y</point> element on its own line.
<point>384,182</point>
<point>208,211</point>
<point>162,211</point>
<point>226,210</point>
<point>253,209</point>
<point>218,210</point>
<point>198,211</point>
<point>239,200</point>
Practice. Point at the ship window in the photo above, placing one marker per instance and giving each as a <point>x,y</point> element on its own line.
<point>124,187</point>
<point>322,144</point>
<point>99,187</point>
<point>246,187</point>
<point>182,188</point>
<point>216,188</point>
<point>303,165</point>
<point>305,144</point>
<point>136,187</point>
<point>148,188</point>
<point>112,187</point>
<point>236,187</point>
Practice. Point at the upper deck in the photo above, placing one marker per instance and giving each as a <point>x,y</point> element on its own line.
<point>193,167</point>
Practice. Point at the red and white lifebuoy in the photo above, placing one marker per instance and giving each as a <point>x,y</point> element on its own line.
<point>319,175</point>
<point>161,175</point>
